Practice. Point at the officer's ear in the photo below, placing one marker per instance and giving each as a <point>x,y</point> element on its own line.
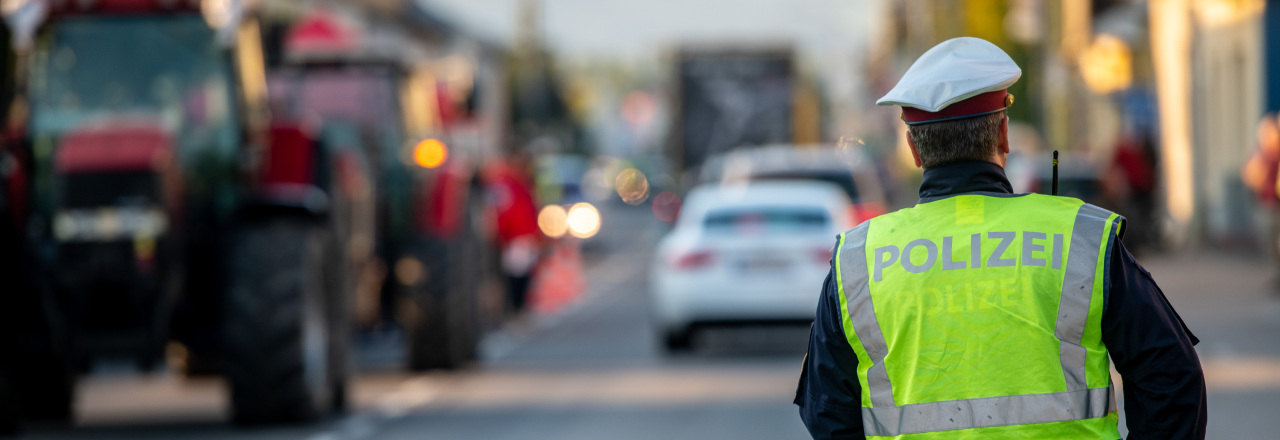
<point>1004,135</point>
<point>914,152</point>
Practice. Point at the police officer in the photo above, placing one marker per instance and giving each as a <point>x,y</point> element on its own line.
<point>980,313</point>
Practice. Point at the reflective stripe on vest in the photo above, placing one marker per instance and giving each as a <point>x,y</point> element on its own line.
<point>1077,290</point>
<point>885,418</point>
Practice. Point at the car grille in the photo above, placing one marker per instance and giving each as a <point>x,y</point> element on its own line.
<point>101,189</point>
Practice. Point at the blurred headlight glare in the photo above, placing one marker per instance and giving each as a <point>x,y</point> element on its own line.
<point>553,221</point>
<point>632,186</point>
<point>584,220</point>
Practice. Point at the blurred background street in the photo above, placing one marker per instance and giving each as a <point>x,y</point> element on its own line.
<point>562,219</point>
<point>595,371</point>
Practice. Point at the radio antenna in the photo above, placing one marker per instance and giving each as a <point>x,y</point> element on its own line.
<point>1055,172</point>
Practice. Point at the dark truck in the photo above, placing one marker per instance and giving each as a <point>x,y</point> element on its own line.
<point>730,97</point>
<point>162,213</point>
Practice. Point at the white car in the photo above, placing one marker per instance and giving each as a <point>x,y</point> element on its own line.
<point>751,253</point>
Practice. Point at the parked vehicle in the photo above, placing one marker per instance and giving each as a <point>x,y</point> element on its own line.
<point>428,245</point>
<point>166,214</point>
<point>745,253</point>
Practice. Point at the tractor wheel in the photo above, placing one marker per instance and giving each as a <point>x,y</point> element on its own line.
<point>428,332</point>
<point>9,260</point>
<point>340,290</point>
<point>442,320</point>
<point>440,324</point>
<point>444,328</point>
<point>8,405</point>
<point>44,387</point>
<point>276,332</point>
<point>476,256</point>
<point>35,388</point>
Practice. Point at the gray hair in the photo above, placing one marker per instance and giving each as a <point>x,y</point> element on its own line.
<point>941,143</point>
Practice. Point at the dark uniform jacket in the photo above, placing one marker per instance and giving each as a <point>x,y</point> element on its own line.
<point>1164,391</point>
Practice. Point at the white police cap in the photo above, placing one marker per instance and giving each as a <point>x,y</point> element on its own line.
<point>955,70</point>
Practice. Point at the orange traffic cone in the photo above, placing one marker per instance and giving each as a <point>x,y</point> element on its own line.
<point>558,280</point>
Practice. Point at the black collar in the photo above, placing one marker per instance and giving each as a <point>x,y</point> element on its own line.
<point>964,177</point>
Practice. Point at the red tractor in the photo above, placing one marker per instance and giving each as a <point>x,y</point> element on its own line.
<point>384,95</point>
<point>159,213</point>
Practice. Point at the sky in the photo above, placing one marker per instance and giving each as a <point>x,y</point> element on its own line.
<point>642,28</point>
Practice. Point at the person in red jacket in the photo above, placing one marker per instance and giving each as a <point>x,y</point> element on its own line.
<point>1260,174</point>
<point>510,192</point>
<point>1133,178</point>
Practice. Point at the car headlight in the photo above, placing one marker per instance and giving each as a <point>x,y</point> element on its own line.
<point>583,220</point>
<point>553,221</point>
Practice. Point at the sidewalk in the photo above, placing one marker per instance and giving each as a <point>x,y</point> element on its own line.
<point>1228,302</point>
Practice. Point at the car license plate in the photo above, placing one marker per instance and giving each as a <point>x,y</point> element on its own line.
<point>763,265</point>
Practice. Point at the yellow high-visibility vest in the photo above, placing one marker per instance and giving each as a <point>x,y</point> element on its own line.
<point>979,317</point>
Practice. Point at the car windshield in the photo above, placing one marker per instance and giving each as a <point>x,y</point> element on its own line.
<point>766,220</point>
<point>167,70</point>
<point>844,180</point>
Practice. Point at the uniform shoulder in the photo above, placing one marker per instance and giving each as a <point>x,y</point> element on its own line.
<point>1070,203</point>
<point>1090,210</point>
<point>1051,199</point>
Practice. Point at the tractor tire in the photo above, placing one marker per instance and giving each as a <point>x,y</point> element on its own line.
<point>276,334</point>
<point>44,387</point>
<point>8,405</point>
<point>445,331</point>
<point>428,331</point>
<point>9,260</point>
<point>340,291</point>
<point>37,382</point>
<point>440,331</point>
<point>475,252</point>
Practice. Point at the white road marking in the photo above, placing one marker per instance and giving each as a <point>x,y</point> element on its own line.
<point>412,394</point>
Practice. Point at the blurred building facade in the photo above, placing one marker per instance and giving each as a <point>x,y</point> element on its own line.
<point>1208,55</point>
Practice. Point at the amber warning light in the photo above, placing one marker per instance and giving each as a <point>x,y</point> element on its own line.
<point>430,153</point>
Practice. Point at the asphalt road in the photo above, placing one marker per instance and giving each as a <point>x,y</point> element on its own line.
<point>590,370</point>
<point>593,370</point>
